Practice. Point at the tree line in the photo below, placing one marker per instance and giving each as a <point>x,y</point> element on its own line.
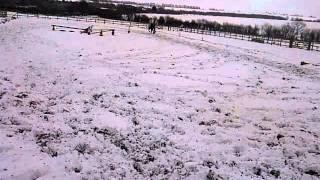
<point>294,31</point>
<point>83,7</point>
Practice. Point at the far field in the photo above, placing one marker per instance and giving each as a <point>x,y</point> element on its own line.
<point>234,20</point>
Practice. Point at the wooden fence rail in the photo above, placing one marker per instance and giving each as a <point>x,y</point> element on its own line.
<point>315,46</point>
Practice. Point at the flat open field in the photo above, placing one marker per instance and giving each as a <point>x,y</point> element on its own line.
<point>145,106</point>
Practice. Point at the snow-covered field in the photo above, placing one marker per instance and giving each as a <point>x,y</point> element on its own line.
<point>234,20</point>
<point>163,106</point>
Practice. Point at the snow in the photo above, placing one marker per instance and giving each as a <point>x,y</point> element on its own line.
<point>233,20</point>
<point>144,106</point>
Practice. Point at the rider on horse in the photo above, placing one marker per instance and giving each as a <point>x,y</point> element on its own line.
<point>152,26</point>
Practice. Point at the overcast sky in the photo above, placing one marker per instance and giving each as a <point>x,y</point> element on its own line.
<point>305,7</point>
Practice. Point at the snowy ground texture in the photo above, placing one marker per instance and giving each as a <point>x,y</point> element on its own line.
<point>163,106</point>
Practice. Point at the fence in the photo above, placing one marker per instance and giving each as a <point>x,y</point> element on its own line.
<point>85,19</point>
<point>315,46</point>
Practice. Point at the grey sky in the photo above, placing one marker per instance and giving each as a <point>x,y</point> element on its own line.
<point>305,7</point>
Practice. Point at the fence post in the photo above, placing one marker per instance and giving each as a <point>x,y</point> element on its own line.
<point>129,27</point>
<point>291,41</point>
<point>309,45</point>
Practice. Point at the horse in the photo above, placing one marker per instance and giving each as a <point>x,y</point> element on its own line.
<point>87,30</point>
<point>152,28</point>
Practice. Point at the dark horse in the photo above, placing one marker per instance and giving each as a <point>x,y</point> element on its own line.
<point>152,28</point>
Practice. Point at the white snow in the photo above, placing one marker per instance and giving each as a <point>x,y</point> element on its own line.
<point>233,20</point>
<point>144,106</point>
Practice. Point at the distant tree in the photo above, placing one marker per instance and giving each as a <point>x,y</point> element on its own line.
<point>309,36</point>
<point>286,31</point>
<point>267,30</point>
<point>298,28</point>
<point>170,21</point>
<point>218,27</point>
<point>193,24</point>
<point>161,20</point>
<point>127,10</point>
<point>317,36</point>
<point>154,19</point>
<point>202,23</point>
<point>154,9</point>
<point>276,32</point>
<point>293,31</point>
<point>226,27</point>
<point>248,30</point>
<point>186,24</point>
<point>255,30</point>
<point>241,29</point>
<point>144,19</point>
<point>83,7</point>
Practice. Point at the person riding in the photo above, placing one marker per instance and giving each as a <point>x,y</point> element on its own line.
<point>152,26</point>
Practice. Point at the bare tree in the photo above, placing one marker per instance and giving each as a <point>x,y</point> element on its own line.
<point>298,28</point>
<point>286,31</point>
<point>295,30</point>
<point>267,30</point>
<point>309,36</point>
